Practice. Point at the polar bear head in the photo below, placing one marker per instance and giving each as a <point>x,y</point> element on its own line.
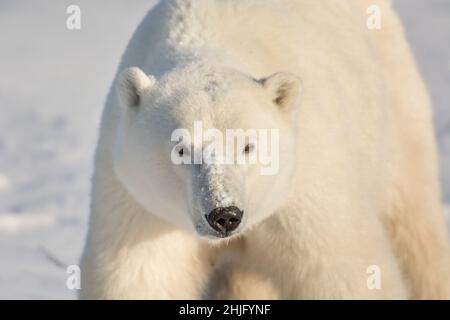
<point>209,149</point>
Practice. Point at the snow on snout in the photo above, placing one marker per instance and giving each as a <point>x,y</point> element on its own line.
<point>215,183</point>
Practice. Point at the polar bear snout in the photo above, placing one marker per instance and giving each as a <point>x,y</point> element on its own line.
<point>225,219</point>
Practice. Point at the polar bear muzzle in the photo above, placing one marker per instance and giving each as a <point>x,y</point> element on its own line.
<point>225,219</point>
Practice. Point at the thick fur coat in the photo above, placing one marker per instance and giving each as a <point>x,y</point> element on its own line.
<point>358,182</point>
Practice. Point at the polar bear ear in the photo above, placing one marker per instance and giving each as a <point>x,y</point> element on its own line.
<point>285,88</point>
<point>131,84</point>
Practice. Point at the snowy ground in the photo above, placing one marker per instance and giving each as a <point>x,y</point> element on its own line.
<point>52,86</point>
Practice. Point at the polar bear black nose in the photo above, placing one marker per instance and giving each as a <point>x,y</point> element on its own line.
<point>225,219</point>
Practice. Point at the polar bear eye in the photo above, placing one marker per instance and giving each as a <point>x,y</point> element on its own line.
<point>249,148</point>
<point>182,151</point>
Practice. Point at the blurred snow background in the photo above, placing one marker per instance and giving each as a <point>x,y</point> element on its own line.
<point>53,83</point>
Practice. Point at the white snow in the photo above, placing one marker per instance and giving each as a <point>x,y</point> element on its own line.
<point>12,222</point>
<point>53,83</point>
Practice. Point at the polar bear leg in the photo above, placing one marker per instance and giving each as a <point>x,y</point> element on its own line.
<point>131,254</point>
<point>417,226</point>
<point>169,266</point>
<point>421,244</point>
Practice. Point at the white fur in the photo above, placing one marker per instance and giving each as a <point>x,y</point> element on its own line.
<point>357,184</point>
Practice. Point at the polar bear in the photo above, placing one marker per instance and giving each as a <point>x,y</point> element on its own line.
<point>356,192</point>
